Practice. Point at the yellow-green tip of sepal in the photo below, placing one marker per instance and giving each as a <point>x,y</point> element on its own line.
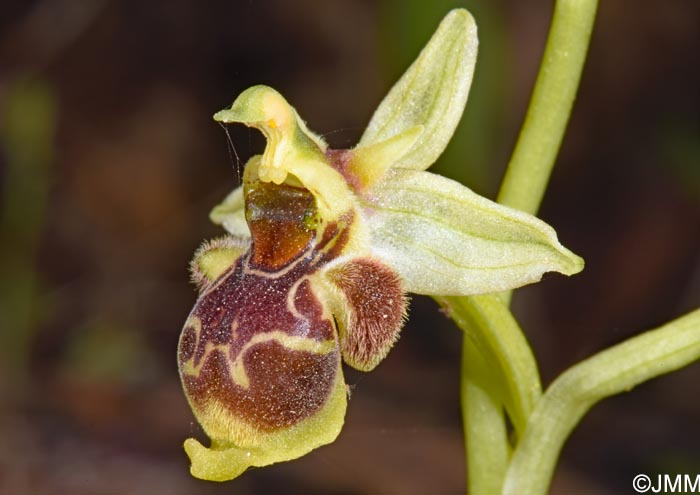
<point>569,263</point>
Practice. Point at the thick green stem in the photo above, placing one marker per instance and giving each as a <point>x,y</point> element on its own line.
<point>501,343</point>
<point>485,433</point>
<point>614,370</point>
<point>550,107</point>
<point>498,369</point>
<point>523,188</point>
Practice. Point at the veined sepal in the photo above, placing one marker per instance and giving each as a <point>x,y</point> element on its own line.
<point>431,93</point>
<point>443,239</point>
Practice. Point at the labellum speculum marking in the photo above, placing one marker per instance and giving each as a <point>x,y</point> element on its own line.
<point>259,342</point>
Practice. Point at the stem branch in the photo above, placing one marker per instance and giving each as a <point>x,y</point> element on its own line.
<point>614,370</point>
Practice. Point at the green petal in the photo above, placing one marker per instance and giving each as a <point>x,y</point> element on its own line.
<point>444,239</point>
<point>230,214</point>
<point>431,93</point>
<point>369,163</point>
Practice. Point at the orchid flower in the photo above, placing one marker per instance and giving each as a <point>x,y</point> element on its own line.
<point>323,246</point>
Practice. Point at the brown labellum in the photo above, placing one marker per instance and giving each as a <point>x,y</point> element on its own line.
<point>259,351</point>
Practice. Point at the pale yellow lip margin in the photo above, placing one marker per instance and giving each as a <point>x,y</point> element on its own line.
<point>226,460</point>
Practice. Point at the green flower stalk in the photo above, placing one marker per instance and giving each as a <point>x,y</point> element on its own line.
<point>323,246</point>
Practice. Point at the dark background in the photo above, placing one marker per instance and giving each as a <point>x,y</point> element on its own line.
<point>110,162</point>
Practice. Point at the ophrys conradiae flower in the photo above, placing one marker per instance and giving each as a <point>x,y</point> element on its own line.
<point>323,245</point>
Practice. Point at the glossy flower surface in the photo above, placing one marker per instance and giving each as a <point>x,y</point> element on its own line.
<point>323,245</point>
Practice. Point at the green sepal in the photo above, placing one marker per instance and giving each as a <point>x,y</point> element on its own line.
<point>444,239</point>
<point>431,93</point>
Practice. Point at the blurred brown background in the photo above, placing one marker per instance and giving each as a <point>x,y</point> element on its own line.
<point>110,162</point>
